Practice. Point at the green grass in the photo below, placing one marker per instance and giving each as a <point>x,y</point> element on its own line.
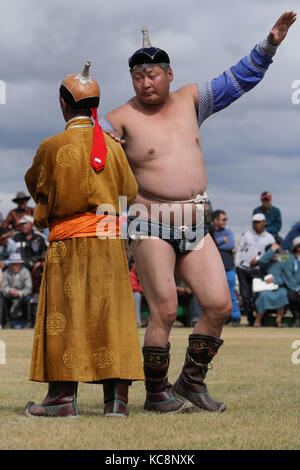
<point>253,373</point>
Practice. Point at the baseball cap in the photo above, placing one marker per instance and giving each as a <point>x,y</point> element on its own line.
<point>266,196</point>
<point>26,218</point>
<point>258,218</point>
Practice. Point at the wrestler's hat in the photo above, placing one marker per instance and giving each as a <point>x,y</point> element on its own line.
<point>148,54</point>
<point>82,92</point>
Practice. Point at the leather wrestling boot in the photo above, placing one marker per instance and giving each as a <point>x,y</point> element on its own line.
<point>190,384</point>
<point>60,401</point>
<point>159,392</point>
<point>116,397</point>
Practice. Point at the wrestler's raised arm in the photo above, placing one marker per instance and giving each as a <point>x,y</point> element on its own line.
<point>245,75</point>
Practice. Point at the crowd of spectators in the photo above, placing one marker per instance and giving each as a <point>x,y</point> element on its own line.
<point>262,269</point>
<point>22,256</point>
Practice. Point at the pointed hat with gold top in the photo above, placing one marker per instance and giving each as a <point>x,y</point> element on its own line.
<point>148,54</point>
<point>81,90</point>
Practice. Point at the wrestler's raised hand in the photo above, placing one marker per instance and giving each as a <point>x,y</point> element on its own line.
<point>115,135</point>
<point>281,27</point>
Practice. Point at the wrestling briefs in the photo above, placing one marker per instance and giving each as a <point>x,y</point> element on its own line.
<point>183,238</point>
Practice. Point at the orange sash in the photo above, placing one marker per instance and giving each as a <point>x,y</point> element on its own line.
<point>87,224</point>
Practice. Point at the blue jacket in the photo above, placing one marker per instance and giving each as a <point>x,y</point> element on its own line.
<point>225,248</point>
<point>292,273</point>
<point>268,266</point>
<point>287,243</point>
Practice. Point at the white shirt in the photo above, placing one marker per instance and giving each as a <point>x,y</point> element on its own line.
<point>252,245</point>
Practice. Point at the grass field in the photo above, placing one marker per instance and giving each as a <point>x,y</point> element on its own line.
<point>253,373</point>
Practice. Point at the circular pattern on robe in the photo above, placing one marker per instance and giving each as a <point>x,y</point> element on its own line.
<point>71,358</point>
<point>56,324</point>
<point>103,357</point>
<point>67,156</point>
<point>41,177</point>
<point>72,286</point>
<point>56,252</point>
<point>84,187</point>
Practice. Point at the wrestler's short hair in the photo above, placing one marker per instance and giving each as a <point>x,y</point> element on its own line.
<point>143,67</point>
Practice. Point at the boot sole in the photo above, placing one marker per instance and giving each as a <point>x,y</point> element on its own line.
<point>187,407</point>
<point>115,415</point>
<point>197,408</point>
<point>30,415</point>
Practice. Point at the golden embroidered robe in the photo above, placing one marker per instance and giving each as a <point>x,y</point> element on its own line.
<point>85,327</point>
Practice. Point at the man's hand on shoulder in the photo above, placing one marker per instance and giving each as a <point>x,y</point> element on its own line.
<point>281,27</point>
<point>115,136</point>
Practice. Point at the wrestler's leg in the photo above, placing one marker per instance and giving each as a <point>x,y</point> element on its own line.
<point>155,262</point>
<point>203,271</point>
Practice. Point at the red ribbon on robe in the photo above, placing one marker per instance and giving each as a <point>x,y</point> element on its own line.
<point>99,149</point>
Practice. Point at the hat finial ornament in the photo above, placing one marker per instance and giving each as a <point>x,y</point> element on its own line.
<point>146,40</point>
<point>84,77</point>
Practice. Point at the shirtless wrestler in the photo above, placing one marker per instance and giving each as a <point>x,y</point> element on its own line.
<point>159,131</point>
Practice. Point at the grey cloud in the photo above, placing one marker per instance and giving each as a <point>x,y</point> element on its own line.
<point>42,42</point>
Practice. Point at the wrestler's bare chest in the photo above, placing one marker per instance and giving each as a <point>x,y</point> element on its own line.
<point>164,150</point>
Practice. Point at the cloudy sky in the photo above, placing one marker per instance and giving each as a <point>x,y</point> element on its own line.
<point>250,147</point>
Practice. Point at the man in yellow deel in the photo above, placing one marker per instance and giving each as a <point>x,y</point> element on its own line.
<point>85,327</point>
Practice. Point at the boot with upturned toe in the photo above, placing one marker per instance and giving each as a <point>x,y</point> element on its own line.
<point>190,384</point>
<point>59,402</point>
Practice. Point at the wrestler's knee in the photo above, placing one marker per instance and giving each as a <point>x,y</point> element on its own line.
<point>220,311</point>
<point>165,312</point>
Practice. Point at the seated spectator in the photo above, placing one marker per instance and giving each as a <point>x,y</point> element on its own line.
<point>36,276</point>
<point>224,239</point>
<point>1,299</point>
<point>29,244</point>
<point>7,246</point>
<point>294,232</point>
<point>13,218</point>
<point>137,293</point>
<point>271,269</point>
<point>16,290</point>
<point>272,215</point>
<point>251,247</point>
<point>291,273</point>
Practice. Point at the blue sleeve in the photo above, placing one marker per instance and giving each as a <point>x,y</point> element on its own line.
<point>233,83</point>
<point>287,243</point>
<point>266,258</point>
<point>288,274</point>
<point>229,245</point>
<point>278,222</point>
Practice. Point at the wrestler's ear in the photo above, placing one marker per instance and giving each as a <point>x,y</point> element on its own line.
<point>170,74</point>
<point>63,104</point>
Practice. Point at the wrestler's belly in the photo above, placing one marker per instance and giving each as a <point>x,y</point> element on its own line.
<point>172,180</point>
<point>168,213</point>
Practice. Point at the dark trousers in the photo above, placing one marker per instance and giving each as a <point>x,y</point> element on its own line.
<point>294,300</point>
<point>245,277</point>
<point>1,309</point>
